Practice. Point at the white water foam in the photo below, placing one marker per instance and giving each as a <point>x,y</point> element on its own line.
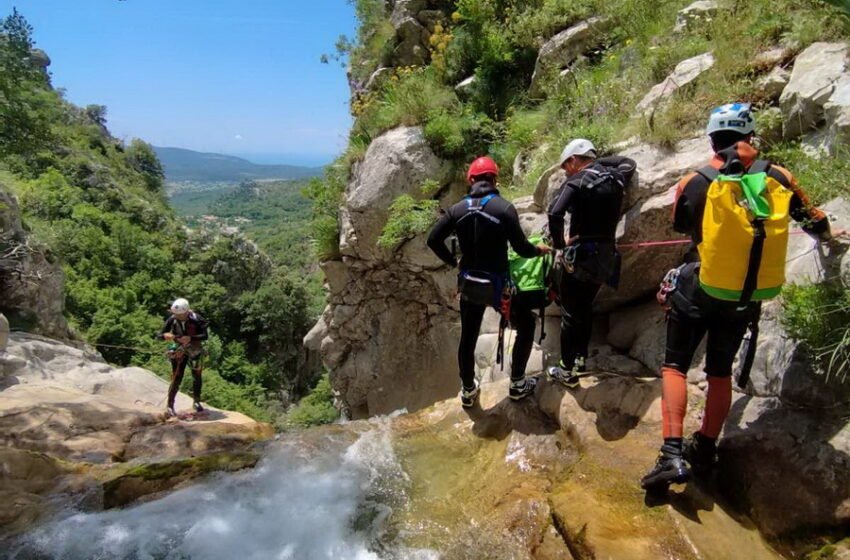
<point>288,508</point>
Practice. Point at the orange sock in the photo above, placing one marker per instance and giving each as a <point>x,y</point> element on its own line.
<point>717,406</point>
<point>674,401</point>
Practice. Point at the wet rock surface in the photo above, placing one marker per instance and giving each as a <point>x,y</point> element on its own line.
<point>69,421</point>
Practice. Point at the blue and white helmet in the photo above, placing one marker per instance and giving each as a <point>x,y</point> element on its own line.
<point>737,117</point>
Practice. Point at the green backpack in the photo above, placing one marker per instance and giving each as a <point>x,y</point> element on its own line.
<point>530,278</point>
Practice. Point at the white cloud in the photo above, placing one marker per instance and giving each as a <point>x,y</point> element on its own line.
<point>238,138</point>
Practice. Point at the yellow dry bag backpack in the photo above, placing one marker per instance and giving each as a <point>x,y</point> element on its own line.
<point>744,235</point>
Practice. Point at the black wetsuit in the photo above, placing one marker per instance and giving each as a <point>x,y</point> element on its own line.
<point>484,244</point>
<point>194,327</point>
<point>594,199</point>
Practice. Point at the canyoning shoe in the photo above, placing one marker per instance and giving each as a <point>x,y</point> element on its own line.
<point>563,376</point>
<point>521,389</point>
<point>469,396</point>
<point>170,412</point>
<point>580,365</point>
<point>701,454</point>
<point>669,469</point>
<point>197,406</point>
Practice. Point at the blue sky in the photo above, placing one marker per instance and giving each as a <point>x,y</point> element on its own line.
<point>240,77</point>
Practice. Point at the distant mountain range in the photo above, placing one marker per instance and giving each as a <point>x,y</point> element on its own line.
<point>187,165</point>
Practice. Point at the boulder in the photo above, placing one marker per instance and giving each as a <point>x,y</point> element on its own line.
<point>548,186</point>
<point>685,72</point>
<point>698,13</point>
<point>813,80</point>
<point>783,368</point>
<point>659,169</point>
<point>526,205</point>
<point>771,86</point>
<point>396,163</point>
<point>534,224</point>
<point>627,324</point>
<point>564,48</point>
<point>643,268</point>
<point>771,58</point>
<point>313,339</point>
<point>68,403</point>
<point>411,35</point>
<point>412,46</point>
<point>765,440</point>
<point>837,114</point>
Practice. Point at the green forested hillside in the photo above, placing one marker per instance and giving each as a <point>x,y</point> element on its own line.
<point>180,164</point>
<point>100,207</point>
<point>274,214</point>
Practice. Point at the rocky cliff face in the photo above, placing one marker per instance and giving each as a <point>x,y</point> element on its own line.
<point>31,283</point>
<point>392,313</point>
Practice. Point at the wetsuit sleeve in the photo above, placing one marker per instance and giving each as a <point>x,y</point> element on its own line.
<point>166,328</point>
<point>558,209</point>
<point>690,204</point>
<point>516,236</point>
<point>813,220</point>
<point>437,238</point>
<point>626,166</point>
<point>202,333</point>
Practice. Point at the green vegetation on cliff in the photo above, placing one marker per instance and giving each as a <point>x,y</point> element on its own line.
<point>99,206</point>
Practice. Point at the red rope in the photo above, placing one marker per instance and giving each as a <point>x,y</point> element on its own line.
<point>671,242</point>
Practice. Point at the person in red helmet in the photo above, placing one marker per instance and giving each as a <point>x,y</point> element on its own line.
<point>485,223</point>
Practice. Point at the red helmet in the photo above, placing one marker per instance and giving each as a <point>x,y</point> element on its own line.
<point>481,166</point>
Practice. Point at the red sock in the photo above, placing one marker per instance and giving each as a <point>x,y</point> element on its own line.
<point>674,401</point>
<point>717,406</point>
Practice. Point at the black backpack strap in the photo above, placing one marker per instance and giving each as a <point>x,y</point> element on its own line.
<point>709,173</point>
<point>759,166</point>
<point>756,252</point>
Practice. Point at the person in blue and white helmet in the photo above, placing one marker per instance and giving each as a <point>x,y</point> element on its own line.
<point>696,311</point>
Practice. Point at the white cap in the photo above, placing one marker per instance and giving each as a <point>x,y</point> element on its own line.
<point>179,306</point>
<point>578,147</point>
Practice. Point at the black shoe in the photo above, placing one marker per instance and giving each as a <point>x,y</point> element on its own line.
<point>701,454</point>
<point>669,469</point>
<point>580,365</point>
<point>521,389</point>
<point>469,396</point>
<point>197,406</point>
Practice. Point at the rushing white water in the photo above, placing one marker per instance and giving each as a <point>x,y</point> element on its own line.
<point>329,503</point>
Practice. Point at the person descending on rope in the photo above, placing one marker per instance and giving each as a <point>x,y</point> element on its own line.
<point>485,224</point>
<point>593,196</point>
<point>736,211</point>
<point>184,330</point>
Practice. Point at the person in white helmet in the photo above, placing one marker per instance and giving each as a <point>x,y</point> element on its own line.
<point>593,196</point>
<point>736,210</point>
<point>185,330</point>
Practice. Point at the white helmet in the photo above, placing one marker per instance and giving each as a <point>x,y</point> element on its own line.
<point>578,147</point>
<point>737,117</point>
<point>180,306</point>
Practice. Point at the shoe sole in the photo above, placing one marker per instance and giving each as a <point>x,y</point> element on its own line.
<point>565,383</point>
<point>520,397</point>
<point>665,481</point>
